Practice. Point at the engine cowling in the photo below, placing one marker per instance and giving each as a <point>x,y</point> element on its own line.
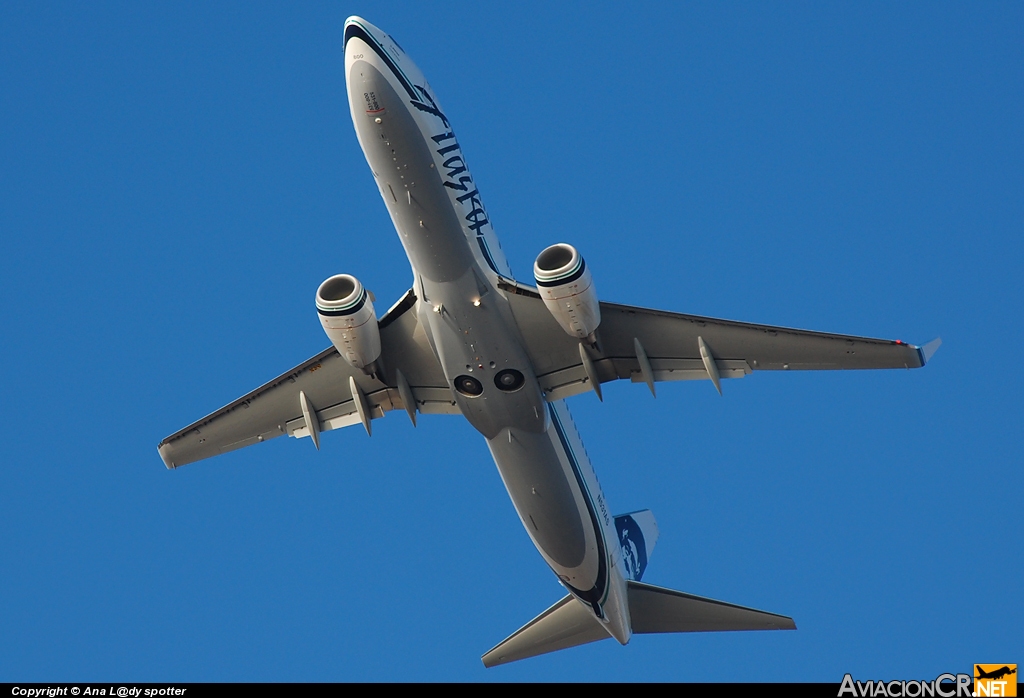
<point>565,284</point>
<point>346,313</point>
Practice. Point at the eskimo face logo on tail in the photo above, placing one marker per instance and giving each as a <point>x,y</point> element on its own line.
<point>634,548</point>
<point>454,171</point>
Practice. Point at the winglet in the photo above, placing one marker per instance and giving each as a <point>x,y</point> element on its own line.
<point>928,350</point>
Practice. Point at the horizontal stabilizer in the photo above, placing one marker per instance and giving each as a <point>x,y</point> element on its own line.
<point>566,624</point>
<point>652,610</point>
<point>656,610</point>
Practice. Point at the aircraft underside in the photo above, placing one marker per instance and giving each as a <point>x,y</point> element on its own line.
<point>468,339</point>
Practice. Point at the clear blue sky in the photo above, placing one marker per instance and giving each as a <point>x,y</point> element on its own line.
<point>176,180</point>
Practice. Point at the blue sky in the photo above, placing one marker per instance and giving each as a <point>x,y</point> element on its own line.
<point>177,179</point>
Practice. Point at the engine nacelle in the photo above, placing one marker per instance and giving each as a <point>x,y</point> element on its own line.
<point>346,312</point>
<point>568,291</point>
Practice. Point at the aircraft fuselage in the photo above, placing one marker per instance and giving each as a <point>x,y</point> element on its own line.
<point>457,263</point>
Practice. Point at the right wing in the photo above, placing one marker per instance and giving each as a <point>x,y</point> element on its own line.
<point>645,345</point>
<point>275,409</point>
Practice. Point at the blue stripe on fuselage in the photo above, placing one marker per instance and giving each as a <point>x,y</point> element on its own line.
<point>487,254</point>
<point>357,30</point>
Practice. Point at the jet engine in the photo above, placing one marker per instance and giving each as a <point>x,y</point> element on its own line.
<point>565,284</point>
<point>346,312</point>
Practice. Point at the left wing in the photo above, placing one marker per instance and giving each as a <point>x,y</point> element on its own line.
<point>322,388</point>
<point>652,345</point>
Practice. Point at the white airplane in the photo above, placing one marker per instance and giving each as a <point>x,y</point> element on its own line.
<point>468,339</point>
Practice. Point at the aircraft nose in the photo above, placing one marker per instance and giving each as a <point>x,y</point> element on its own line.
<point>360,22</point>
<point>357,28</point>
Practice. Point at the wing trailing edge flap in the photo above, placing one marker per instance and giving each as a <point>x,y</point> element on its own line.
<point>343,414</point>
<point>651,609</point>
<point>346,413</point>
<point>574,380</point>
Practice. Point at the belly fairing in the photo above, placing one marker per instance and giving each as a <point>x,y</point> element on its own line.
<point>472,337</point>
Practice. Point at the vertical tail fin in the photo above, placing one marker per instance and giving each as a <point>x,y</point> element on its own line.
<point>637,532</point>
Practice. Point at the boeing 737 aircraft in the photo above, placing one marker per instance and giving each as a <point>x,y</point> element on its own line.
<point>467,339</point>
